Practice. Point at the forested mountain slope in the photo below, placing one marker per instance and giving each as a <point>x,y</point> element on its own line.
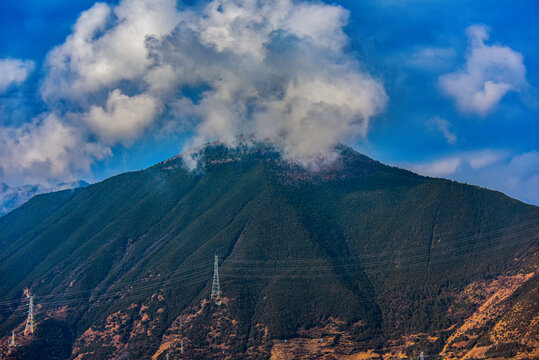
<point>364,255</point>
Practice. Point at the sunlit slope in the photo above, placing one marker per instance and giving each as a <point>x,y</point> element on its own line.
<point>359,242</point>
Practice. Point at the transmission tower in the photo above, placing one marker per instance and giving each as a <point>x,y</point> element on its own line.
<point>12,340</point>
<point>30,320</point>
<point>11,343</point>
<point>215,288</point>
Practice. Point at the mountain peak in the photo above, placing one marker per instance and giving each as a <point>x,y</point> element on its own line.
<point>348,163</point>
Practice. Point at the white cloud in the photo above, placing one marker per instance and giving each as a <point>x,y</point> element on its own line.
<point>452,164</point>
<point>124,117</point>
<point>107,45</point>
<point>47,148</point>
<point>241,27</point>
<point>14,71</point>
<point>442,125</point>
<point>275,70</point>
<point>319,111</point>
<point>245,26</point>
<point>516,175</point>
<point>437,168</point>
<point>480,159</point>
<point>489,73</point>
<point>321,23</point>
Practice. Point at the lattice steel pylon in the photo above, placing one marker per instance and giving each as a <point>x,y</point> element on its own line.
<point>11,342</point>
<point>30,325</point>
<point>215,288</point>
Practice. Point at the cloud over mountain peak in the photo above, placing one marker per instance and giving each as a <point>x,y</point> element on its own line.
<point>276,69</point>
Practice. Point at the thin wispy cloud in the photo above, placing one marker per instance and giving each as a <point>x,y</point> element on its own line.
<point>14,72</point>
<point>430,57</point>
<point>438,168</point>
<point>513,174</point>
<point>443,126</point>
<point>449,165</point>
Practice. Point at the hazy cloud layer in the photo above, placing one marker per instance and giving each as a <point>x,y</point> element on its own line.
<point>14,71</point>
<point>430,58</point>
<point>514,175</point>
<point>450,164</point>
<point>276,70</point>
<point>489,73</point>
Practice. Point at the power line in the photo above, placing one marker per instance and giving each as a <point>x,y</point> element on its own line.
<point>124,284</point>
<point>230,262</point>
<point>139,288</point>
<point>352,259</point>
<point>389,253</point>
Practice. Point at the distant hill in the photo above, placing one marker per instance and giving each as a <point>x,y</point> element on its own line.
<point>13,197</point>
<point>356,260</point>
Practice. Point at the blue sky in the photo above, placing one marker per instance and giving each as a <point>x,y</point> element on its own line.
<point>444,88</point>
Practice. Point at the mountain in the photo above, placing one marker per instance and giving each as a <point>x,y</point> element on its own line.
<point>13,197</point>
<point>355,260</point>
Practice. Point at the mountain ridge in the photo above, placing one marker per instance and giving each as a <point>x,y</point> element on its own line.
<point>13,197</point>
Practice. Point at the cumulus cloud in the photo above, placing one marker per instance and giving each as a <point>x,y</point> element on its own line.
<point>14,71</point>
<point>489,73</point>
<point>275,70</point>
<point>46,148</point>
<point>107,45</point>
<point>88,111</point>
<point>442,125</point>
<point>123,117</point>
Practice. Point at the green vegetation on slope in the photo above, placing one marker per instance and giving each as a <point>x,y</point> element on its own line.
<point>361,242</point>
